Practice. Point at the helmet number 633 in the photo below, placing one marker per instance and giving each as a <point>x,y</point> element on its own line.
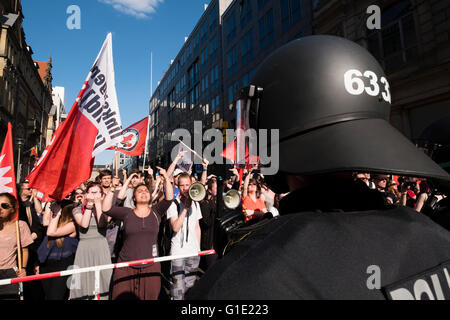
<point>356,86</point>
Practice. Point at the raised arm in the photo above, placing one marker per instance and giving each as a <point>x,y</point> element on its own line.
<point>167,184</point>
<point>54,231</point>
<point>204,177</point>
<point>83,220</point>
<point>123,192</point>
<point>156,188</point>
<point>102,220</point>
<point>108,201</point>
<point>176,222</point>
<point>36,202</point>
<point>246,182</point>
<point>420,202</point>
<point>174,163</point>
<point>47,217</point>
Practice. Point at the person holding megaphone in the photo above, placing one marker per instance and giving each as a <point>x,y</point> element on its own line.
<point>184,215</point>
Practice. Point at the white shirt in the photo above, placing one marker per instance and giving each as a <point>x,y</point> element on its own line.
<point>179,245</point>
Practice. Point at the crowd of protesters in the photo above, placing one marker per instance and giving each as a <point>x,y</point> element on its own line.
<point>139,217</point>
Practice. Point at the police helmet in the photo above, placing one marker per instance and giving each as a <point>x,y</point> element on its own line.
<point>331,101</point>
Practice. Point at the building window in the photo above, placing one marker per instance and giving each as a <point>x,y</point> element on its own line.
<point>230,27</point>
<point>205,84</point>
<point>230,94</point>
<point>214,78</point>
<point>204,57</point>
<point>193,74</point>
<point>215,105</point>
<point>204,31</point>
<point>213,19</point>
<point>290,13</point>
<point>231,91</point>
<point>183,83</point>
<point>246,13</point>
<point>196,42</point>
<point>247,77</point>
<point>247,48</point>
<point>171,117</point>
<point>396,42</point>
<point>213,46</point>
<point>232,61</point>
<point>261,4</point>
<point>266,30</point>
<point>195,94</point>
<point>171,99</point>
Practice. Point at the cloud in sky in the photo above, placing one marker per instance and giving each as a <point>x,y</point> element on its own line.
<point>137,8</point>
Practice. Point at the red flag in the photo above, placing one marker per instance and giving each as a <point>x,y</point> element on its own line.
<point>7,175</point>
<point>230,153</point>
<point>92,126</point>
<point>133,139</point>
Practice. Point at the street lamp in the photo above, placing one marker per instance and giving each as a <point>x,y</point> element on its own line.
<point>19,142</point>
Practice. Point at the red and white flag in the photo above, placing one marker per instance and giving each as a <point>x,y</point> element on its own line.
<point>133,139</point>
<point>92,126</point>
<point>7,175</point>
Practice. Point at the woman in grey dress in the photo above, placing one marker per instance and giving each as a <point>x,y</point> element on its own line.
<point>93,247</point>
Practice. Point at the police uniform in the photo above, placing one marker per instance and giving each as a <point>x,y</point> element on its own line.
<point>334,254</point>
<point>335,238</point>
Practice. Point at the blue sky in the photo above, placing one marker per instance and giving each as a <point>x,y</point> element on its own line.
<point>138,28</point>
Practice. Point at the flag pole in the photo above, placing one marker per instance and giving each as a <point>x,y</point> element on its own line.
<point>19,255</point>
<point>191,150</point>
<point>116,162</point>
<point>146,144</point>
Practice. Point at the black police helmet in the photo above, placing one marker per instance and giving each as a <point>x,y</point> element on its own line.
<point>331,101</point>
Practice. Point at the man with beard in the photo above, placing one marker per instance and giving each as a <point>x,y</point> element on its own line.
<point>105,179</point>
<point>184,215</point>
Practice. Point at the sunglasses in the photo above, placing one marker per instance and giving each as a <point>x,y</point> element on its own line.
<point>5,205</point>
<point>79,193</point>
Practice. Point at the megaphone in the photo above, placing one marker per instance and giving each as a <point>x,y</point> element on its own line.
<point>197,191</point>
<point>232,199</point>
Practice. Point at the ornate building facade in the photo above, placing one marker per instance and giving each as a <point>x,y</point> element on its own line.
<point>25,88</point>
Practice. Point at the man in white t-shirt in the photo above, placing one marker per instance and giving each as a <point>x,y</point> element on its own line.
<point>184,215</point>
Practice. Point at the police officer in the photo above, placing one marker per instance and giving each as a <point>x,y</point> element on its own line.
<point>336,238</point>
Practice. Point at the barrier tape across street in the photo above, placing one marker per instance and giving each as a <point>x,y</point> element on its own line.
<point>103,267</point>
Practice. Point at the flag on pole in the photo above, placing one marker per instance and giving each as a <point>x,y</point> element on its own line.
<point>92,126</point>
<point>34,152</point>
<point>7,175</point>
<point>133,139</point>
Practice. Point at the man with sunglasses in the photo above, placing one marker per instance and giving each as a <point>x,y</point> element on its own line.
<point>30,211</point>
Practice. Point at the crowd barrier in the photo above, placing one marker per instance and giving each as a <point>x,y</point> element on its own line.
<point>97,269</point>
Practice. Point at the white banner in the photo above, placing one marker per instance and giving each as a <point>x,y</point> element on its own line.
<point>98,100</point>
